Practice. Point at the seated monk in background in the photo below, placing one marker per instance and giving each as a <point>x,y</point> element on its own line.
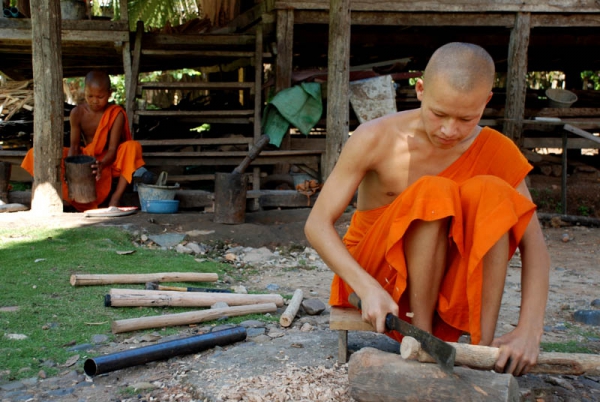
<point>442,206</point>
<point>103,130</point>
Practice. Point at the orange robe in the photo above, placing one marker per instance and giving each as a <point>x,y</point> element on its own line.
<point>478,192</point>
<point>128,159</point>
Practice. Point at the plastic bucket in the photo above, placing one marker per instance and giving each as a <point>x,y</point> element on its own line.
<point>80,179</point>
<point>560,98</point>
<point>373,97</point>
<point>158,191</point>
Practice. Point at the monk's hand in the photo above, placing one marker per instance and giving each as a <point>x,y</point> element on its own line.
<point>519,350</point>
<point>97,169</point>
<point>375,307</point>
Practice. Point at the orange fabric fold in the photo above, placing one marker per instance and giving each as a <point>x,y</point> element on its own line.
<point>478,193</point>
<point>128,159</point>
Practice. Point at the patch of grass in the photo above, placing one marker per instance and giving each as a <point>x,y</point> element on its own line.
<point>36,268</point>
<point>566,347</point>
<point>20,186</point>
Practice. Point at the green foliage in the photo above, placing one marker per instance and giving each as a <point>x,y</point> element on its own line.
<point>36,268</point>
<point>566,347</point>
<point>592,78</point>
<point>157,13</point>
<point>583,210</point>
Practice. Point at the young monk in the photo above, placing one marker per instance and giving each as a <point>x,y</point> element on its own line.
<point>102,131</point>
<point>442,206</point>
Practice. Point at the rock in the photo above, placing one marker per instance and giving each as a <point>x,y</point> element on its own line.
<point>257,255</point>
<point>30,382</point>
<point>12,386</point>
<point>252,324</point>
<point>589,317</point>
<point>230,257</point>
<point>227,279</point>
<point>595,303</point>
<point>220,304</point>
<point>168,239</point>
<point>275,333</point>
<point>82,346</point>
<point>42,374</point>
<point>96,339</point>
<point>306,327</point>
<point>16,337</point>
<point>142,386</point>
<point>197,248</point>
<point>180,248</point>
<point>261,339</point>
<point>272,287</point>
<point>565,237</point>
<point>254,332</point>
<point>240,289</point>
<point>313,306</point>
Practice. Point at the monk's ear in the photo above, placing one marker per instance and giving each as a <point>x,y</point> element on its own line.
<point>419,89</point>
<point>489,97</point>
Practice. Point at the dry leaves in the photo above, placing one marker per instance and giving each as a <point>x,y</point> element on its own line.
<point>310,384</point>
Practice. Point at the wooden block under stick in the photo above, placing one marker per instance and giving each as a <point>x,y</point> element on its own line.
<point>91,279</point>
<point>292,309</point>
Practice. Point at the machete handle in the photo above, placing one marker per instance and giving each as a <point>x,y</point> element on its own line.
<point>355,300</point>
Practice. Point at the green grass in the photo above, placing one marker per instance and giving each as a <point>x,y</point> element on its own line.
<point>52,313</point>
<point>565,347</point>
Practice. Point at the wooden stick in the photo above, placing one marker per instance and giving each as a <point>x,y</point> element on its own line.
<point>83,279</point>
<point>290,312</point>
<point>163,298</point>
<point>484,357</point>
<point>191,317</point>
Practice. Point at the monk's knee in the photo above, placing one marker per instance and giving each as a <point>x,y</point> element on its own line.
<point>435,186</point>
<point>483,187</point>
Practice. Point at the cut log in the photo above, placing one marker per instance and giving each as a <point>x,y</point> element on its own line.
<point>292,309</point>
<point>375,375</point>
<point>191,317</point>
<point>484,358</point>
<point>580,220</point>
<point>83,279</point>
<point>165,298</point>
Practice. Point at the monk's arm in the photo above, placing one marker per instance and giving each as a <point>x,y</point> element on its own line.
<point>522,344</point>
<point>75,125</point>
<point>114,139</point>
<point>334,198</point>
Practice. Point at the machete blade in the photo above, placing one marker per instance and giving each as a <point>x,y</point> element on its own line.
<point>443,353</point>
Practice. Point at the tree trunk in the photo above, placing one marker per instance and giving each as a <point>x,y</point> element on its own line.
<point>48,123</point>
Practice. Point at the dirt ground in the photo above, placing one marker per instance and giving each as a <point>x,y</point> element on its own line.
<point>574,286</point>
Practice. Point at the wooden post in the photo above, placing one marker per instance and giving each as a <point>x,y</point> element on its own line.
<point>135,70</point>
<point>290,312</point>
<point>283,69</point>
<point>48,123</point>
<point>338,109</point>
<point>258,75</point>
<point>516,82</point>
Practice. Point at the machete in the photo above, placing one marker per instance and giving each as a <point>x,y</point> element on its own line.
<point>443,353</point>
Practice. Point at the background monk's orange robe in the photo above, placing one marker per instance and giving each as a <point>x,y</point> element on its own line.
<point>478,192</point>
<point>128,159</point>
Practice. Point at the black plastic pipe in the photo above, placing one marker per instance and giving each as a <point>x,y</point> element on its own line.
<point>164,350</point>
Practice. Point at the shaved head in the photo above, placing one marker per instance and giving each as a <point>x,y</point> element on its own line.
<point>463,66</point>
<point>98,78</point>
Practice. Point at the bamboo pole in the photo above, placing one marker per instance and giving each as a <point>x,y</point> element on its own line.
<point>191,317</point>
<point>164,298</point>
<point>92,279</point>
<point>290,312</point>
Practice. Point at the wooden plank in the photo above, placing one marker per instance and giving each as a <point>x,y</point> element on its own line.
<point>516,83</point>
<point>48,122</point>
<point>75,25</point>
<point>582,133</point>
<point>338,109</point>
<point>282,198</point>
<point>166,40</point>
<point>225,154</point>
<point>564,6</point>
<point>349,319</point>
<point>573,143</point>
<point>194,198</point>
<point>183,113</point>
<point>198,141</point>
<point>160,160</point>
<point>135,71</point>
<point>196,85</point>
<point>196,53</point>
<point>285,41</point>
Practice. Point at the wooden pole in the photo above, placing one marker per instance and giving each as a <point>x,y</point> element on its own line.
<point>292,309</point>
<point>192,317</point>
<point>484,358</point>
<point>516,78</point>
<point>48,117</point>
<point>135,70</point>
<point>164,298</point>
<point>338,86</point>
<point>375,375</point>
<point>98,279</point>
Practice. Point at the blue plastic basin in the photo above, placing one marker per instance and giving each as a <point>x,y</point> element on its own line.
<point>162,206</point>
